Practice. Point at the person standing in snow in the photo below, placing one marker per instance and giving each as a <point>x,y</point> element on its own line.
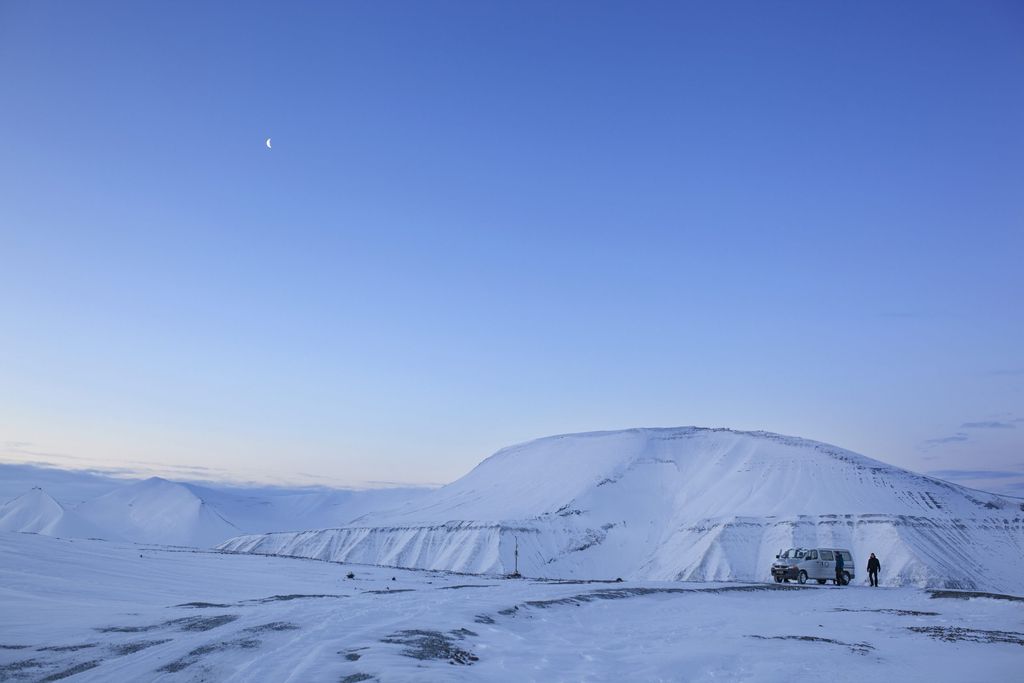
<point>873,568</point>
<point>839,568</point>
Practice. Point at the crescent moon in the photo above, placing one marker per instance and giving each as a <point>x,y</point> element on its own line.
<point>268,144</point>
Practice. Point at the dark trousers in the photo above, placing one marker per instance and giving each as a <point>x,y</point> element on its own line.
<point>840,580</point>
<point>873,577</point>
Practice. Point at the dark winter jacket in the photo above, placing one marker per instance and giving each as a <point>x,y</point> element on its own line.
<point>839,562</point>
<point>874,565</point>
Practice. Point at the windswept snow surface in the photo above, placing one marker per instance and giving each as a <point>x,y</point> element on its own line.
<point>682,504</point>
<point>99,611</point>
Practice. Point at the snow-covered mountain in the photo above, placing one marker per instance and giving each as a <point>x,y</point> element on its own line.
<point>38,513</point>
<point>164,512</point>
<point>267,509</point>
<point>684,504</point>
<point>156,510</point>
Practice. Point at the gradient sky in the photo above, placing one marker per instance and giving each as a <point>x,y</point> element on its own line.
<point>486,222</point>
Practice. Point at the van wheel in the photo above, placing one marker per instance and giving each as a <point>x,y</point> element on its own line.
<point>778,579</point>
<point>846,578</point>
<point>802,576</point>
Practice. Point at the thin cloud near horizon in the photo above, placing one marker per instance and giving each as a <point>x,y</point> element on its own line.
<point>974,474</point>
<point>988,424</point>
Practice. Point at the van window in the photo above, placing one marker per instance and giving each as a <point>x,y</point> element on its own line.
<point>827,555</point>
<point>847,557</point>
<point>811,555</point>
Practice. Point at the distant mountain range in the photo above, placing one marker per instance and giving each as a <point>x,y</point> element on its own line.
<point>36,512</point>
<point>164,512</point>
<point>664,504</point>
<point>682,504</point>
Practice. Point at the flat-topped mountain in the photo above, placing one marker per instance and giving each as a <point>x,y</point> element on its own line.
<point>682,504</point>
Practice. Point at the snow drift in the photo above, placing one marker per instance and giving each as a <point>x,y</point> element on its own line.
<point>682,504</point>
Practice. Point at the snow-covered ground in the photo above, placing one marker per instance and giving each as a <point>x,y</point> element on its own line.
<point>108,611</point>
<point>682,504</point>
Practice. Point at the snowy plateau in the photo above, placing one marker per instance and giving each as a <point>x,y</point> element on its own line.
<point>645,556</point>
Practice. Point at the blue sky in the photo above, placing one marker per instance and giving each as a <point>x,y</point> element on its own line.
<point>482,223</point>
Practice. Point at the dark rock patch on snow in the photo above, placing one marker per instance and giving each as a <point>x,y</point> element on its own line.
<point>427,645</point>
<point>286,598</point>
<point>952,634</point>
<point>190,624</point>
<point>193,624</point>
<point>202,605</point>
<point>623,593</point>
<point>137,646</point>
<point>65,648</point>
<point>353,654</point>
<point>966,595</point>
<point>897,612</point>
<point>6,670</point>
<point>71,671</point>
<point>859,648</point>
<point>272,626</point>
<point>570,582</point>
<point>198,653</point>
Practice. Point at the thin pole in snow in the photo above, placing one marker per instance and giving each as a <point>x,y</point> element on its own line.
<point>515,571</point>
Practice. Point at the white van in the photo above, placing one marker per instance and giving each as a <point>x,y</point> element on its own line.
<point>820,564</point>
<point>785,566</point>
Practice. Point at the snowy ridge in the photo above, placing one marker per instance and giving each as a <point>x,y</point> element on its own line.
<point>158,511</point>
<point>682,504</point>
<point>37,513</point>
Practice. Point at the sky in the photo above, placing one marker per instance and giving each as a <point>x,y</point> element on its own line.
<point>482,223</point>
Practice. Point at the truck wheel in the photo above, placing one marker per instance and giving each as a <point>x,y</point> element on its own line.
<point>801,577</point>
<point>778,579</point>
<point>846,578</point>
